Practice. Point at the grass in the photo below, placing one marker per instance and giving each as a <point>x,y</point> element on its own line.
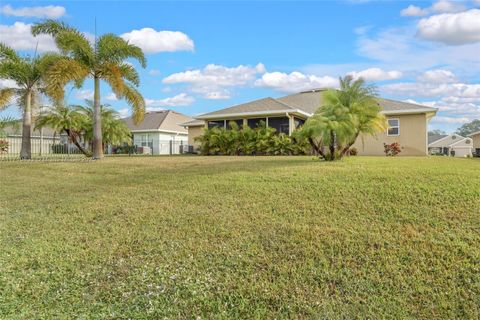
<point>245,237</point>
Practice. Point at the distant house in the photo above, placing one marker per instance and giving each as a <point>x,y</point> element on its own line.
<point>476,142</point>
<point>160,132</point>
<point>452,145</point>
<point>408,123</point>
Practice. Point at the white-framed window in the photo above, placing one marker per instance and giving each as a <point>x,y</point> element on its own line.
<point>393,127</point>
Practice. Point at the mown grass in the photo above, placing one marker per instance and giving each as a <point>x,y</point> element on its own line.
<point>245,237</point>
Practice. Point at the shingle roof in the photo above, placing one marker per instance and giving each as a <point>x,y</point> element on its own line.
<point>260,105</point>
<point>193,123</point>
<point>434,137</point>
<point>308,102</point>
<point>167,120</point>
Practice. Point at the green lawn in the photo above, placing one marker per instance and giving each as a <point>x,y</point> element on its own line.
<point>244,237</point>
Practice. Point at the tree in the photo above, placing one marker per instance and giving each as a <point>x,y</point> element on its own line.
<point>64,119</point>
<point>469,128</point>
<point>345,115</point>
<point>105,59</point>
<point>114,130</point>
<point>29,77</point>
<point>436,132</point>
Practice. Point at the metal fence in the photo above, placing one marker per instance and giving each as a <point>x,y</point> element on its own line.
<point>41,148</point>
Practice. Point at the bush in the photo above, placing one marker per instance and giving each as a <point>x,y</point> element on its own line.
<point>353,151</point>
<point>262,140</point>
<point>392,149</point>
<point>3,146</point>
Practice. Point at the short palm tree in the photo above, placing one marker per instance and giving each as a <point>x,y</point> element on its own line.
<point>105,59</point>
<point>64,119</point>
<point>29,77</point>
<point>114,130</point>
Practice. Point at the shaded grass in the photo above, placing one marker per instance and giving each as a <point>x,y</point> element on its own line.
<point>241,237</point>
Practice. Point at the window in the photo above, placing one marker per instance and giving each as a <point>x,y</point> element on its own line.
<point>255,122</point>
<point>239,123</point>
<point>217,123</point>
<point>279,123</point>
<point>393,127</point>
<point>298,122</point>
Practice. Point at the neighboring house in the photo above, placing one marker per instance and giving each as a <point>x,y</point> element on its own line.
<point>452,145</point>
<point>476,142</point>
<point>408,123</point>
<point>160,132</point>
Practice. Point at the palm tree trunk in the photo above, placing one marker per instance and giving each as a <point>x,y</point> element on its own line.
<point>317,148</point>
<point>332,145</point>
<point>26,151</point>
<point>73,138</point>
<point>97,122</point>
<point>347,147</point>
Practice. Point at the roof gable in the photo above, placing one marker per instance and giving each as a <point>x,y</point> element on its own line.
<point>166,120</point>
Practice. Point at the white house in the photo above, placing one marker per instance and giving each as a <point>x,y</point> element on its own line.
<point>160,131</point>
<point>453,145</point>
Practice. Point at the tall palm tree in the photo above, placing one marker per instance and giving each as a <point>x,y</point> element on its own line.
<point>28,76</point>
<point>64,119</point>
<point>105,59</point>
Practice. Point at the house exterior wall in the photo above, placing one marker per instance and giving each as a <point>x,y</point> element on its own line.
<point>412,138</point>
<point>476,140</point>
<point>194,132</point>
<point>161,142</point>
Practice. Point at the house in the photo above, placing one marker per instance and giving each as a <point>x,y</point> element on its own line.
<point>452,145</point>
<point>476,142</point>
<point>408,122</point>
<point>160,132</point>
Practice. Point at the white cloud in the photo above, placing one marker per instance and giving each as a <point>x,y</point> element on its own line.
<point>19,37</point>
<point>84,94</point>
<point>413,11</point>
<point>49,12</point>
<point>442,6</point>
<point>154,72</point>
<point>452,28</point>
<point>213,80</point>
<point>111,97</point>
<point>376,74</point>
<point>179,100</point>
<point>295,81</point>
<point>437,76</point>
<point>152,41</point>
<point>451,120</point>
<point>124,112</point>
<point>8,83</point>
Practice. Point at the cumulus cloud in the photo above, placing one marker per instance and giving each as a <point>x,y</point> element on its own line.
<point>179,100</point>
<point>84,94</point>
<point>295,81</point>
<point>438,76</point>
<point>19,37</point>
<point>111,97</point>
<point>451,28</point>
<point>8,83</point>
<point>152,41</point>
<point>214,80</point>
<point>442,6</point>
<point>49,12</point>
<point>376,74</point>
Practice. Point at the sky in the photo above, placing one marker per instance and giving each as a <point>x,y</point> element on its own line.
<point>204,56</point>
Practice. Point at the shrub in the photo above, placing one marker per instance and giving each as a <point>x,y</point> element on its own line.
<point>392,149</point>
<point>353,151</point>
<point>262,140</point>
<point>3,146</point>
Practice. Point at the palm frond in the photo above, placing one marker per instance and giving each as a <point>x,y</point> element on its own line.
<point>6,96</point>
<point>112,48</point>
<point>75,44</point>
<point>136,102</point>
<point>62,72</point>
<point>7,53</point>
<point>50,27</point>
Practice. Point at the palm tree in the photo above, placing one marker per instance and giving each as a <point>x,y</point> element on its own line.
<point>105,59</point>
<point>345,114</point>
<point>28,76</point>
<point>64,119</point>
<point>114,130</point>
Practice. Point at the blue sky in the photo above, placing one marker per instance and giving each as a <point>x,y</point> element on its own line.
<point>203,56</point>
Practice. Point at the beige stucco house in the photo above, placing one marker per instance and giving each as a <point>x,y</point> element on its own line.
<point>408,123</point>
<point>451,145</point>
<point>476,142</point>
